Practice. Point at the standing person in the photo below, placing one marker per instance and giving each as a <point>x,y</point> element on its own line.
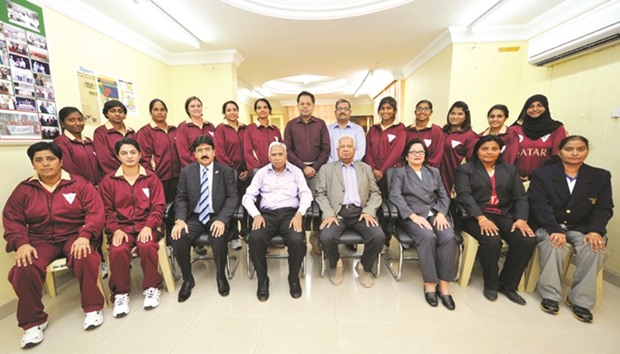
<point>430,133</point>
<point>348,197</point>
<point>539,135</point>
<point>308,147</point>
<point>50,215</point>
<point>385,142</point>
<point>458,143</point>
<point>384,145</point>
<point>572,203</point>
<point>205,202</point>
<point>418,193</point>
<point>258,136</point>
<point>134,204</point>
<point>78,150</point>
<point>229,137</point>
<point>285,198</point>
<point>157,141</point>
<point>497,116</point>
<point>344,126</point>
<point>106,135</point>
<point>495,203</point>
<point>192,128</point>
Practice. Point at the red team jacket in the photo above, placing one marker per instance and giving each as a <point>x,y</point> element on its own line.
<point>187,132</point>
<point>384,148</point>
<point>79,158</point>
<point>159,151</point>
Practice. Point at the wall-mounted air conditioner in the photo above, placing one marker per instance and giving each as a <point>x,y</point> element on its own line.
<point>594,29</point>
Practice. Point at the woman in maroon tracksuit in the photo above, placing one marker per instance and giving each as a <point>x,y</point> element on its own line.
<point>158,147</point>
<point>497,116</point>
<point>229,138</point>
<point>258,136</point>
<point>134,204</point>
<point>51,215</point>
<point>190,129</point>
<point>78,150</point>
<point>430,133</point>
<point>108,134</point>
<point>458,143</point>
<point>385,142</point>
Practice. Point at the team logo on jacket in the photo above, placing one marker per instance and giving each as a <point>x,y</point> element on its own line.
<point>455,143</point>
<point>391,137</point>
<point>212,133</point>
<point>593,200</point>
<point>147,192</point>
<point>428,142</point>
<point>70,197</point>
<point>544,138</point>
<point>520,138</point>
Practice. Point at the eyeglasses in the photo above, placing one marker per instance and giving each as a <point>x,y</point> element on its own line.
<point>416,152</point>
<point>343,109</point>
<point>422,109</point>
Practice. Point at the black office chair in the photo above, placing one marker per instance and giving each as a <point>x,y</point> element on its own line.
<point>406,243</point>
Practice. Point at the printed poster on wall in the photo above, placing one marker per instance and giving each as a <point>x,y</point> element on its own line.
<point>27,100</point>
<point>87,85</point>
<point>108,89</point>
<point>128,96</point>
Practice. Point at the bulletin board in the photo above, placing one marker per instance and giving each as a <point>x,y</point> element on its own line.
<point>28,109</point>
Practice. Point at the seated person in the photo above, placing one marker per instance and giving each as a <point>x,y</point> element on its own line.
<point>206,200</point>
<point>134,203</point>
<point>51,215</point>
<point>571,202</point>
<point>418,193</point>
<point>348,196</point>
<point>285,198</point>
<point>494,200</point>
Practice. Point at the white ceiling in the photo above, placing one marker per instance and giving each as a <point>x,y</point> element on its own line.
<point>269,48</point>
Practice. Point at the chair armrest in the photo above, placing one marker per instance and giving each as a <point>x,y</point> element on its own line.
<point>168,213</point>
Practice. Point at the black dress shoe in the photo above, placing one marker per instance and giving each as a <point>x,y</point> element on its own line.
<point>431,298</point>
<point>512,295</point>
<point>295,288</point>
<point>222,286</point>
<point>550,306</point>
<point>447,301</point>
<point>201,250</point>
<point>263,290</point>
<point>186,290</point>
<point>580,313</point>
<point>490,294</point>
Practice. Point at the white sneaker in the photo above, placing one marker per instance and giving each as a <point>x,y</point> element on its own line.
<point>384,250</point>
<point>104,270</point>
<point>121,305</point>
<point>235,244</point>
<point>92,320</point>
<point>33,336</point>
<point>151,298</point>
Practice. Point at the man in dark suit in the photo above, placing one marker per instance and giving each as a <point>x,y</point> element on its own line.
<point>348,196</point>
<point>206,199</point>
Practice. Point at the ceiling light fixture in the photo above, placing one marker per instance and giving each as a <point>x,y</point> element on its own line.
<point>315,9</point>
<point>176,26</point>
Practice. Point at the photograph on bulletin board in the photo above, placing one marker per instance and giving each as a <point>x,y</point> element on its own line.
<point>27,99</point>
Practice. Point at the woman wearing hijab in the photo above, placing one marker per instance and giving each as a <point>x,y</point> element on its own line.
<point>539,135</point>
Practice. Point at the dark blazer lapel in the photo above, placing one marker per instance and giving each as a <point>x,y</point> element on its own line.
<point>560,186</point>
<point>426,182</point>
<point>582,186</point>
<point>338,167</point>
<point>193,185</point>
<point>482,173</point>
<point>217,178</point>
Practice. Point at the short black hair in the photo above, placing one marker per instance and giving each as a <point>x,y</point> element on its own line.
<point>486,139</point>
<point>227,103</point>
<point>408,146</point>
<point>203,139</point>
<point>573,138</point>
<point>42,146</point>
<point>126,141</point>
<point>155,100</point>
<point>65,111</point>
<point>305,93</point>
<point>262,100</point>
<point>111,104</point>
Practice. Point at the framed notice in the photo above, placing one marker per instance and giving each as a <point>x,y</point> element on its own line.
<point>27,100</point>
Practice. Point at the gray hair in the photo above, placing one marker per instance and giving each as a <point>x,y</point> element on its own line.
<point>346,137</point>
<point>277,143</point>
<point>342,100</point>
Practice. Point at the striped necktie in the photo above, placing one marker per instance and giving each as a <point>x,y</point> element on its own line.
<point>203,203</point>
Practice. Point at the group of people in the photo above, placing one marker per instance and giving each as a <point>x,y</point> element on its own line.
<point>119,183</point>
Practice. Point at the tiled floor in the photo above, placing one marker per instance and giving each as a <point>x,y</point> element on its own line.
<point>391,317</point>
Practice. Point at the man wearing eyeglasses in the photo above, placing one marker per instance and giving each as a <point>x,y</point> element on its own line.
<point>344,126</point>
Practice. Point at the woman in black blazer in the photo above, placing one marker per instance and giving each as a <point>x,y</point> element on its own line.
<point>494,201</point>
<point>418,193</point>
<point>571,203</point>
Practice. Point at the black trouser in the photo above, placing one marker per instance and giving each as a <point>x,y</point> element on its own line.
<point>182,247</point>
<point>519,252</point>
<point>373,237</point>
<point>277,223</point>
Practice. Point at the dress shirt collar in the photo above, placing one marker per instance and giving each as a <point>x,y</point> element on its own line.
<point>72,137</point>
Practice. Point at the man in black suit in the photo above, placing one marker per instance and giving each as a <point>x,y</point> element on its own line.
<point>206,199</point>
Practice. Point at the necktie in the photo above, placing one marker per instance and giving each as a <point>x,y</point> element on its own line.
<point>203,203</point>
